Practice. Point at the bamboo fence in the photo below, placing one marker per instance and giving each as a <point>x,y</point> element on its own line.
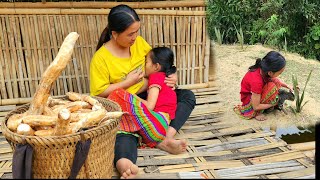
<point>30,37</point>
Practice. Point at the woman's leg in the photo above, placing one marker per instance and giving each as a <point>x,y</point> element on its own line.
<point>185,105</point>
<point>126,154</point>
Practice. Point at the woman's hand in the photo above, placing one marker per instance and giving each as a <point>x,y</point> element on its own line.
<point>134,77</point>
<point>171,80</point>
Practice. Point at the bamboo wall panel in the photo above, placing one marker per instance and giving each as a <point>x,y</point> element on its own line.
<point>29,42</point>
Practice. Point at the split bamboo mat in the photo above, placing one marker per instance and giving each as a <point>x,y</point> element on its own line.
<point>215,150</point>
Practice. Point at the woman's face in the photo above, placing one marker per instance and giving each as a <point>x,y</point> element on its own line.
<point>275,74</point>
<point>127,37</point>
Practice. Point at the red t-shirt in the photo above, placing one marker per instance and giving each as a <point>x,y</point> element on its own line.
<point>167,99</point>
<point>252,82</point>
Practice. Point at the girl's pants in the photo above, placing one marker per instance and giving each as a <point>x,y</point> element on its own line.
<point>139,120</point>
<point>269,95</point>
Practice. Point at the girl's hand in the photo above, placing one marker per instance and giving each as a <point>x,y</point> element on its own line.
<point>135,76</point>
<point>171,80</point>
<point>291,88</point>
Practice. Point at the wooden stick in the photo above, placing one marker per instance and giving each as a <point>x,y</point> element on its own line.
<point>303,146</point>
<point>73,96</point>
<point>48,132</point>
<point>51,74</point>
<point>14,121</point>
<point>25,129</point>
<point>39,120</point>
<point>62,126</point>
<point>48,111</point>
<point>90,119</point>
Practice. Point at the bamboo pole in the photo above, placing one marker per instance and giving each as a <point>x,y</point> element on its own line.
<point>145,5</point>
<point>98,11</point>
<point>306,146</point>
<point>12,54</point>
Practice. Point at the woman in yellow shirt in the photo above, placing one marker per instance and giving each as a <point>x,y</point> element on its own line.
<point>119,62</point>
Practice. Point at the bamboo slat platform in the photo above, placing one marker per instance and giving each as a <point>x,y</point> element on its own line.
<point>215,150</point>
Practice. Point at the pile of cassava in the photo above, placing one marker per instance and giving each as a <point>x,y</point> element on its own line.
<point>47,116</point>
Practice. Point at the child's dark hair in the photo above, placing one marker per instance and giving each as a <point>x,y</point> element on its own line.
<point>273,62</point>
<point>164,56</point>
<point>119,19</point>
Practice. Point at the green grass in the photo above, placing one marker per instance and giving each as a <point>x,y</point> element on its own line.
<point>299,99</point>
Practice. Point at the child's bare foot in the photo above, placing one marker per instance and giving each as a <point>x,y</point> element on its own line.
<point>261,117</point>
<point>173,146</point>
<point>127,169</point>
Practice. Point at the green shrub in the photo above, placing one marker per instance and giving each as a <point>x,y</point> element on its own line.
<point>299,99</point>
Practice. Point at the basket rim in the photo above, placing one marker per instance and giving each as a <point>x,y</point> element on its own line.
<point>78,135</point>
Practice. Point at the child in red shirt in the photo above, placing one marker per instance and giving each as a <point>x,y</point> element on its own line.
<point>149,119</point>
<point>260,86</point>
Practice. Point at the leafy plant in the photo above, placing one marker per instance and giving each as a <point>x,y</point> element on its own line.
<point>240,36</point>
<point>219,36</point>
<point>299,99</point>
<point>273,33</point>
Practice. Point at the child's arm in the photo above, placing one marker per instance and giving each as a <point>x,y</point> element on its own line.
<point>283,84</point>
<point>153,94</point>
<point>152,98</point>
<point>255,99</point>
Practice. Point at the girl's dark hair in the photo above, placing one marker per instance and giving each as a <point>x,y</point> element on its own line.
<point>273,62</point>
<point>164,56</point>
<point>119,19</point>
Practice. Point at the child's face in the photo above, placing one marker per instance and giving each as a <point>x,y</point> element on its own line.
<point>150,67</point>
<point>275,74</point>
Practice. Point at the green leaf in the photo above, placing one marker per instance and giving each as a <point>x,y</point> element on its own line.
<point>303,105</point>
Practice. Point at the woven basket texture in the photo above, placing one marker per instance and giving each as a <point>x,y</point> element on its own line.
<point>53,155</point>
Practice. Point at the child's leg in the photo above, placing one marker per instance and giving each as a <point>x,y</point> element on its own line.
<point>173,146</point>
<point>126,155</point>
<point>150,125</point>
<point>269,95</point>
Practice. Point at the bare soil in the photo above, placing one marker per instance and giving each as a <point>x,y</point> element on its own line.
<point>232,62</point>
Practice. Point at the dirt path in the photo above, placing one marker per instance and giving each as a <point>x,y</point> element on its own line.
<point>232,63</point>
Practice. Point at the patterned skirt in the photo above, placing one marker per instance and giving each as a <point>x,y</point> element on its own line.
<point>151,126</point>
<point>269,96</point>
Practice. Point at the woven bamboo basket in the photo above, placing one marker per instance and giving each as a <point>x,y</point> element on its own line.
<point>53,155</point>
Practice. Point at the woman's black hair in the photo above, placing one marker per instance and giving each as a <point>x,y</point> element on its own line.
<point>273,62</point>
<point>119,19</point>
<point>164,56</point>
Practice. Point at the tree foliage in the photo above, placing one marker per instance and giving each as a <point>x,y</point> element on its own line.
<point>290,24</point>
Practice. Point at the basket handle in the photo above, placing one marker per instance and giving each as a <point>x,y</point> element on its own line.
<point>82,150</point>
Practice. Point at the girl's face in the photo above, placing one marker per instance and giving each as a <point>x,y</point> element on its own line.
<point>275,74</point>
<point>150,67</point>
<point>127,37</point>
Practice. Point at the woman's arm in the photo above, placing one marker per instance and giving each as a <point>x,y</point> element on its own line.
<point>171,80</point>
<point>255,99</point>
<point>131,79</point>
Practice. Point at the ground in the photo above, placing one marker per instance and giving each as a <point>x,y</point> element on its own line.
<point>232,63</point>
